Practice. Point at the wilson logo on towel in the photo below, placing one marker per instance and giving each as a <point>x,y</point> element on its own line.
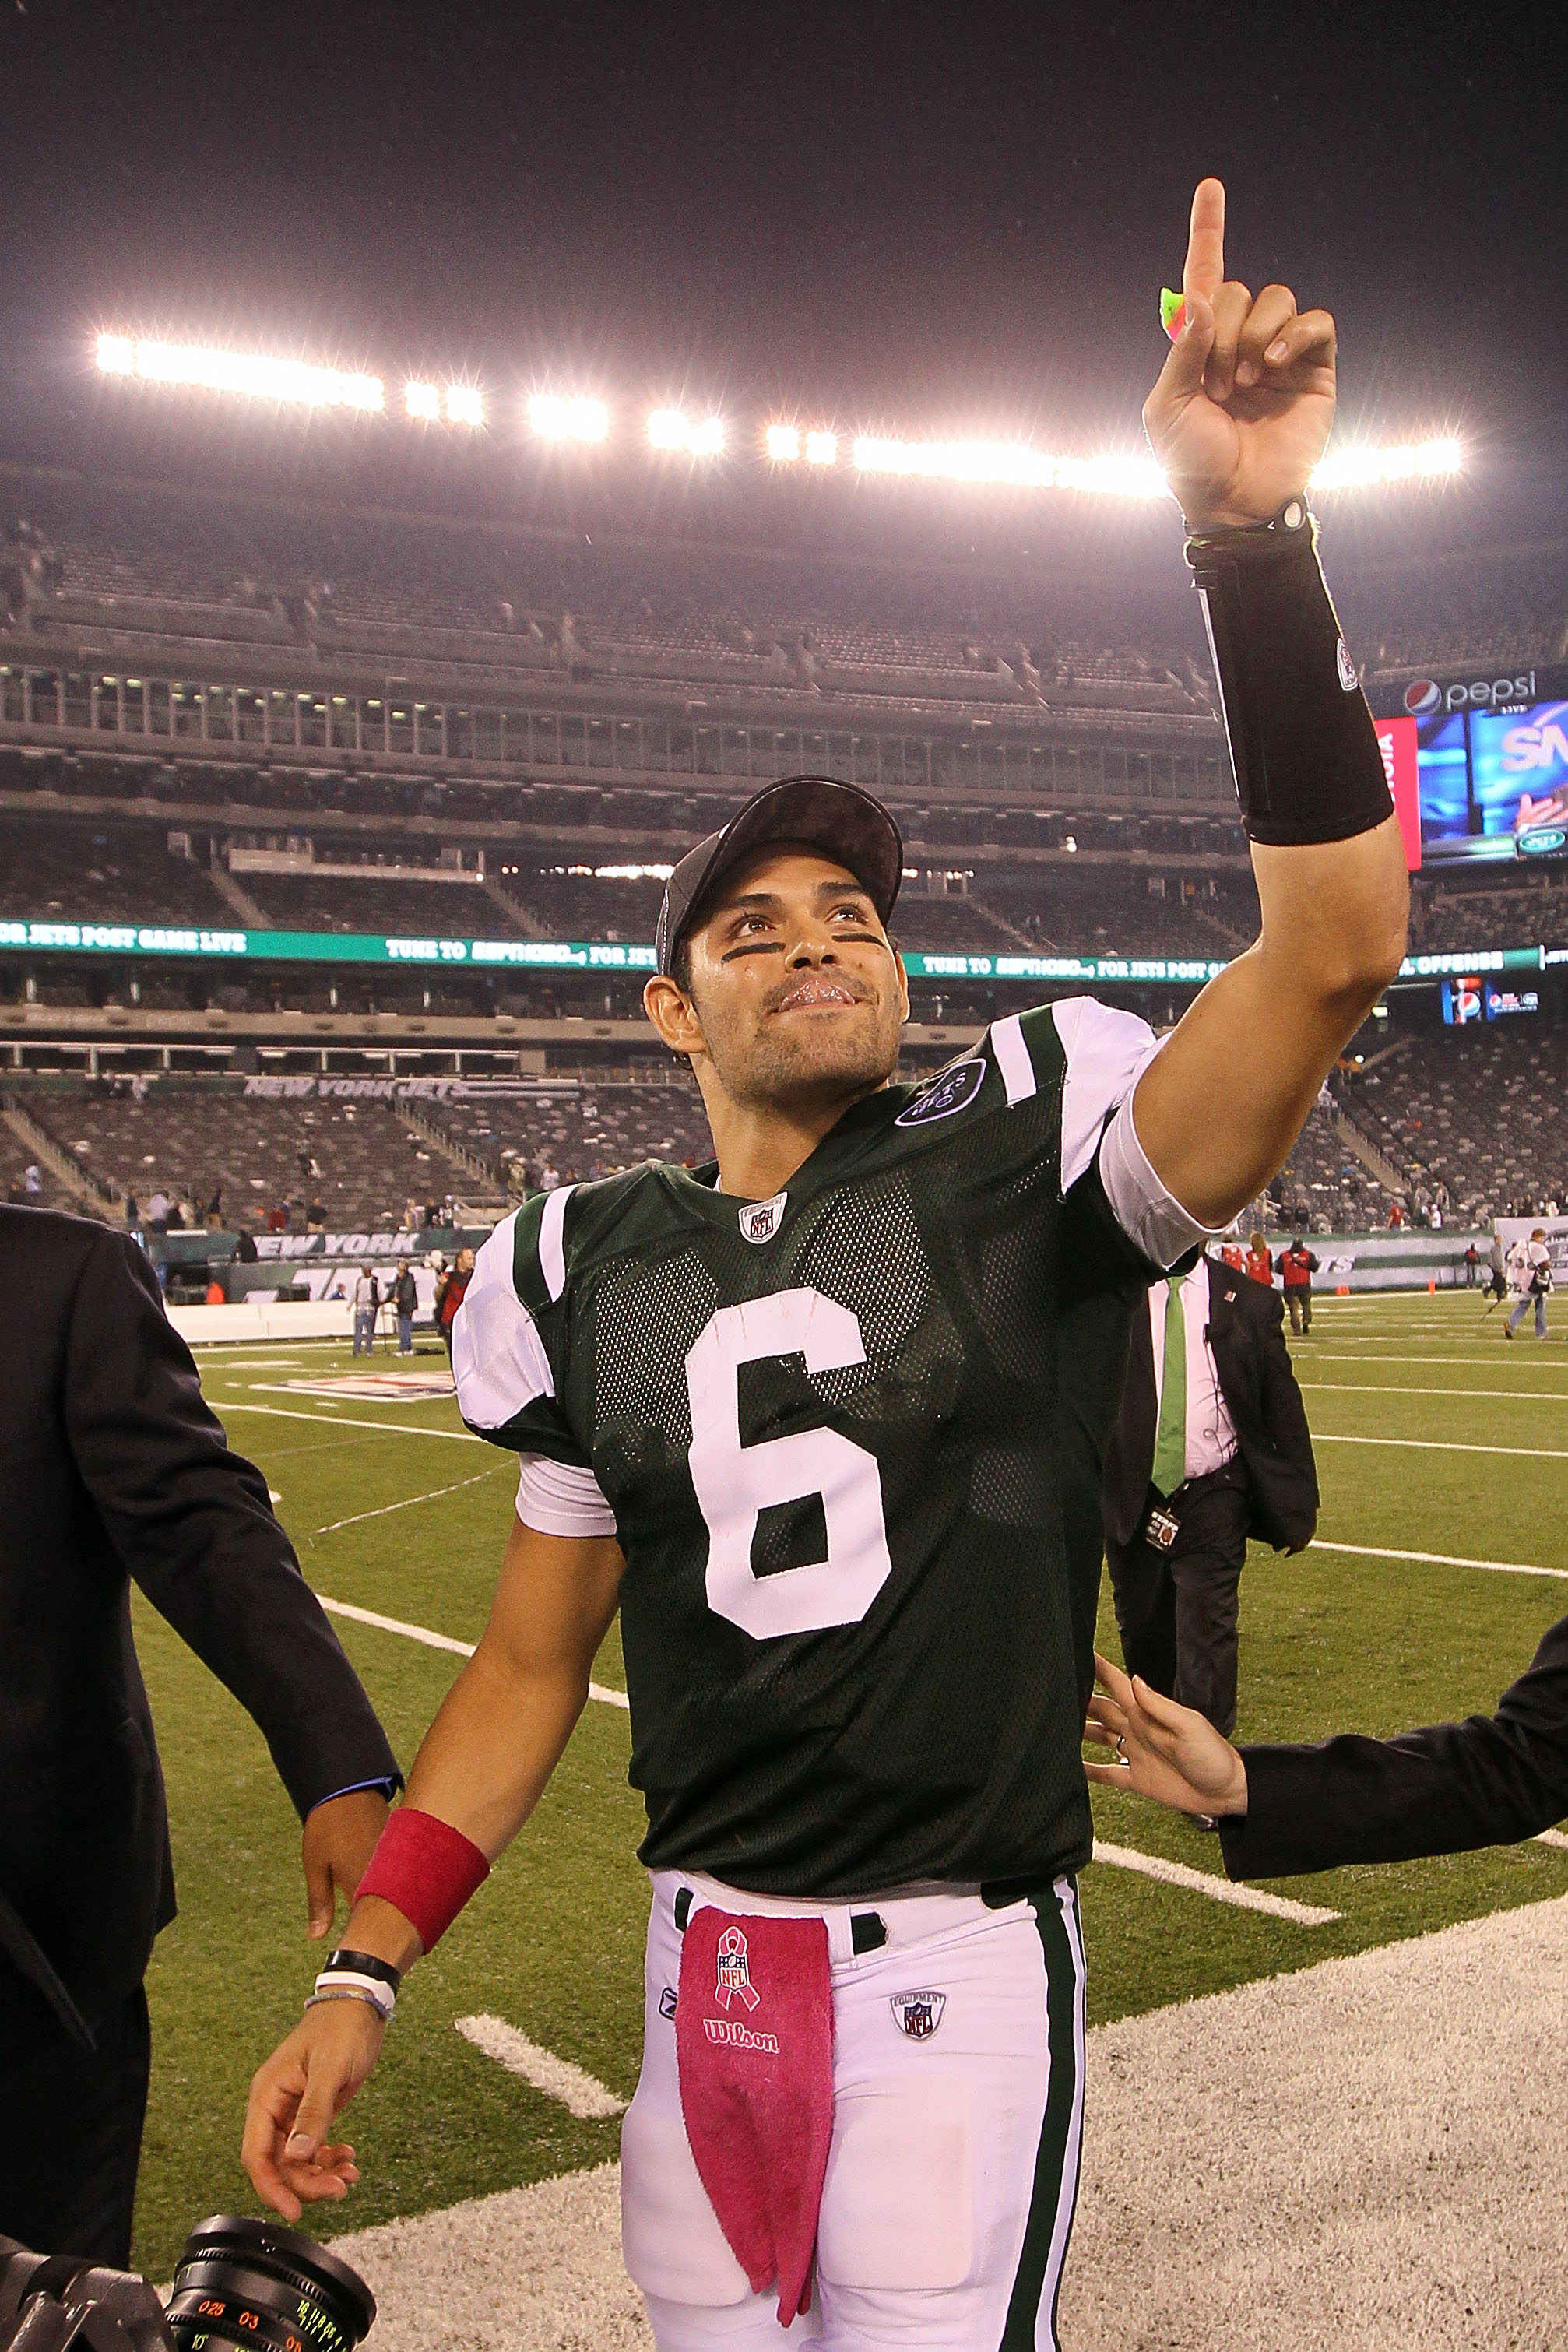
<point>740,2037</point>
<point>735,1974</point>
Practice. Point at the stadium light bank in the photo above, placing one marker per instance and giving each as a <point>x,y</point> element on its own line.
<point>557,417</point>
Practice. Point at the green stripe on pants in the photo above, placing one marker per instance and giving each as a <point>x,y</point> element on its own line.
<point>1037,2282</point>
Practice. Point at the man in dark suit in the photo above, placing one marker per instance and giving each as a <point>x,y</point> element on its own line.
<point>1489,1780</point>
<point>1211,1447</point>
<point>111,1467</point>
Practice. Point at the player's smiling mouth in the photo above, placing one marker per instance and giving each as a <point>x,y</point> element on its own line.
<point>809,994</point>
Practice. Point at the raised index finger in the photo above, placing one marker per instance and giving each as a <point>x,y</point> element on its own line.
<point>1202,272</point>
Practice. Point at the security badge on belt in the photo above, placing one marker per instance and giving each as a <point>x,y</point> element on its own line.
<point>1162,1526</point>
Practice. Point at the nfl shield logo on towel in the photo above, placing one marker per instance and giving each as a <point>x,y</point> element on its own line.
<point>918,2014</point>
<point>734,1971</point>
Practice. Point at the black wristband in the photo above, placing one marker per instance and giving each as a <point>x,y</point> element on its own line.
<point>1302,743</point>
<point>362,1964</point>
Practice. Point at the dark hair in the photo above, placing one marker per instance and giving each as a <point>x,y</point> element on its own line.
<point>681,964</point>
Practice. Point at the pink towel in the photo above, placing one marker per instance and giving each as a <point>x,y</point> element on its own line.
<point>753,2040</point>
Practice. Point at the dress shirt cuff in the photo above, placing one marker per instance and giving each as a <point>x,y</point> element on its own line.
<point>386,1787</point>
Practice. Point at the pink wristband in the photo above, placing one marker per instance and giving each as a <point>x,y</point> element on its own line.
<point>427,1869</point>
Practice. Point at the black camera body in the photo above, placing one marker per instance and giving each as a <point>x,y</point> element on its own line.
<point>239,2282</point>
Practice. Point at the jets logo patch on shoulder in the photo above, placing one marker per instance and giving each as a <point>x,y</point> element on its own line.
<point>761,1220</point>
<point>954,1090</point>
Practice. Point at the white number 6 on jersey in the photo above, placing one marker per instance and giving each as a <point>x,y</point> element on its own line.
<point>735,1482</point>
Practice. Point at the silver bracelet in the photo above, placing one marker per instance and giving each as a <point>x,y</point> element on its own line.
<point>339,1987</point>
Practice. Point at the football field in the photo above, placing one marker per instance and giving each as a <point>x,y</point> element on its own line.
<point>1443,1555</point>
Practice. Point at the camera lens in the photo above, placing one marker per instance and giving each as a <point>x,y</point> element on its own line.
<point>258,2283</point>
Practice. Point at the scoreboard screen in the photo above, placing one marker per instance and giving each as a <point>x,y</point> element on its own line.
<point>1493,783</point>
<point>1486,763</point>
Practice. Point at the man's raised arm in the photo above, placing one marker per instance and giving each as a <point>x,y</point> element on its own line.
<point>1238,419</point>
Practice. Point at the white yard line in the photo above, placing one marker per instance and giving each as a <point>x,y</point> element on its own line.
<point>1218,1890</point>
<point>579,2092</point>
<point>1494,1360</point>
<point>1552,1837</point>
<point>1394,1388</point>
<point>606,1697</point>
<point>1444,1445</point>
<point>407,1502</point>
<point>1439,1559</point>
<point>347,1421</point>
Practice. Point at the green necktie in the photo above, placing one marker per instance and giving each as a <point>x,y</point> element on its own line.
<point>1170,1436</point>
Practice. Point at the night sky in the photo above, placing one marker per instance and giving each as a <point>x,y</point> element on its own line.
<point>953,222</point>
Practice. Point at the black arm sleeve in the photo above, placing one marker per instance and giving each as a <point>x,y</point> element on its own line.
<point>1489,1780</point>
<point>192,1525</point>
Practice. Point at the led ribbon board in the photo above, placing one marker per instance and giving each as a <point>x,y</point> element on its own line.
<point>54,938</point>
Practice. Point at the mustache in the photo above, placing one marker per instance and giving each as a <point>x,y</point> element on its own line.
<point>852,987</point>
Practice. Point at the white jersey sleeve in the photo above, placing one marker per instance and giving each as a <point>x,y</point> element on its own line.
<point>506,1392</point>
<point>1106,1052</point>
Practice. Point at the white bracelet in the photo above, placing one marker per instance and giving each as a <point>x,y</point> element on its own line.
<point>343,1984</point>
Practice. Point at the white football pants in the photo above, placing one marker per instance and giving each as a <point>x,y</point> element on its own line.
<point>958,2089</point>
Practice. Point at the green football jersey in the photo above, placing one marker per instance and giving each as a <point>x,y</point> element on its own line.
<point>851,1439</point>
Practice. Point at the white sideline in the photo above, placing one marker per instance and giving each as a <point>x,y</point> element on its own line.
<point>345,1421</point>
<point>1439,1559</point>
<point>1444,1445</point>
<point>1394,1388</point>
<point>441,1642</point>
<point>407,1502</point>
<point>579,2092</point>
<point>1218,1890</point>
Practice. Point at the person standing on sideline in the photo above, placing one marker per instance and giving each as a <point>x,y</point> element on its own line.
<point>450,1291</point>
<point>1258,1263</point>
<point>1497,1273</point>
<point>406,1302</point>
<point>1211,1445</point>
<point>1529,1279</point>
<point>367,1299</point>
<point>113,1471</point>
<point>824,1420</point>
<point>1296,1266</point>
<point>1471,1263</point>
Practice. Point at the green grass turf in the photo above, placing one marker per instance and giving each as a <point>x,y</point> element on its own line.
<point>1329,1641</point>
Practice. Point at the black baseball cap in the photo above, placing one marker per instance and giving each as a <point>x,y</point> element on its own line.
<point>819,812</point>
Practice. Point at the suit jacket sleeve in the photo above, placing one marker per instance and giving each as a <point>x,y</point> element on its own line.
<point>1489,1780</point>
<point>192,1522</point>
<point>1284,1413</point>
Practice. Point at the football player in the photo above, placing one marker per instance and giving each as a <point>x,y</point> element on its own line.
<point>824,1420</point>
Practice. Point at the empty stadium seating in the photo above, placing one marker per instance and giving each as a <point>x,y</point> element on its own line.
<point>102,873</point>
<point>1483,1111</point>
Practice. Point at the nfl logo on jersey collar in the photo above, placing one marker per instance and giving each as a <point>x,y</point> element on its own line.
<point>760,1220</point>
<point>918,2014</point>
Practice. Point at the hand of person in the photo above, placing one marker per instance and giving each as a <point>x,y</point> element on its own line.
<point>308,2080</point>
<point>1242,410</point>
<point>1168,1752</point>
<point>340,1837</point>
<point>1292,1550</point>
